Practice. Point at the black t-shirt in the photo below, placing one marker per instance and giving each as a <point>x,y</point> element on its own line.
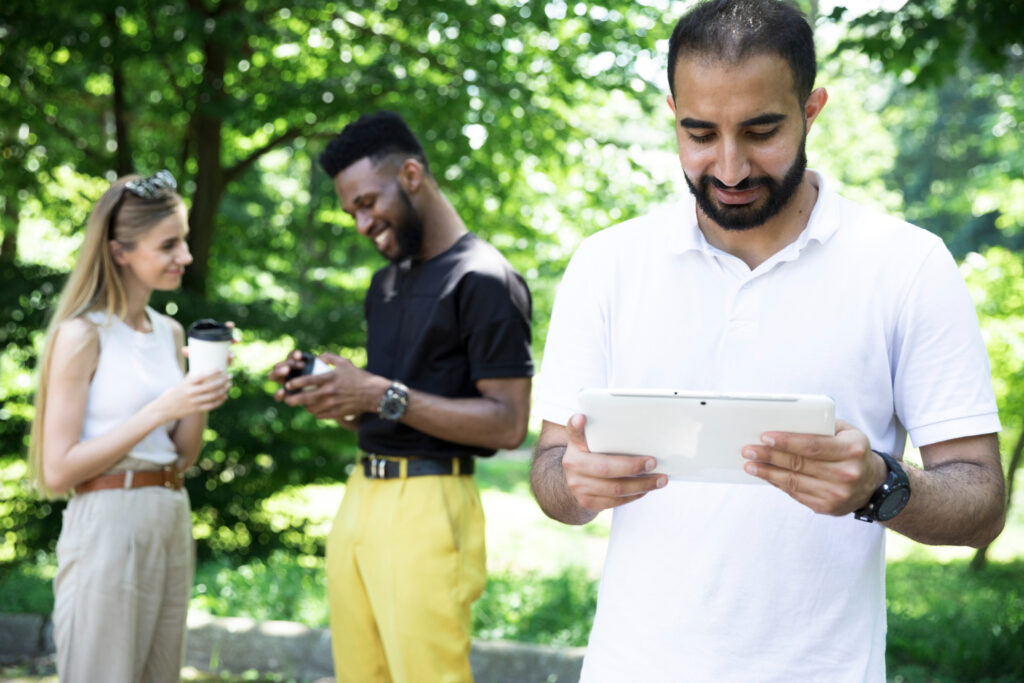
<point>440,326</point>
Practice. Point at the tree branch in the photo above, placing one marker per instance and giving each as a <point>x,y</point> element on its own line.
<point>232,172</point>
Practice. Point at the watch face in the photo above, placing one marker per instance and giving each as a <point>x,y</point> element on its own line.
<point>893,504</point>
<point>393,403</point>
<point>389,407</point>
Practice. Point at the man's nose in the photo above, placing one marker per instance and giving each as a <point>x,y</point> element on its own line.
<point>364,220</point>
<point>731,165</point>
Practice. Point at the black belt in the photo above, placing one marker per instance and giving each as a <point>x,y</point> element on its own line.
<point>376,467</point>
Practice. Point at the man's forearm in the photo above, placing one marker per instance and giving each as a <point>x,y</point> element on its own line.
<point>955,503</point>
<point>547,479</point>
<point>480,422</point>
<point>497,419</point>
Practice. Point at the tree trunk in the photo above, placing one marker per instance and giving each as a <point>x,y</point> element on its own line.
<point>980,560</point>
<point>9,247</point>
<point>307,257</point>
<point>207,126</point>
<point>123,156</point>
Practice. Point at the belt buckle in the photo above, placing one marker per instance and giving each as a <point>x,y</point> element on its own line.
<point>378,467</point>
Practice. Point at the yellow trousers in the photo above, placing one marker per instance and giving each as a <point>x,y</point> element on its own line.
<point>405,561</point>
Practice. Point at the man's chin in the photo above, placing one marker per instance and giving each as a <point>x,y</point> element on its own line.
<point>398,257</point>
<point>736,216</point>
<point>740,226</point>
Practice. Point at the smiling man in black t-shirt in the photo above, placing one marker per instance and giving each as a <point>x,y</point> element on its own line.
<point>447,378</point>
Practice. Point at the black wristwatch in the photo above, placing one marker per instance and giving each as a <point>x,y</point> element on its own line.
<point>394,401</point>
<point>890,498</point>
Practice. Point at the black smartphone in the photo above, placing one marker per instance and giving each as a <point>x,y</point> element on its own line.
<point>308,359</point>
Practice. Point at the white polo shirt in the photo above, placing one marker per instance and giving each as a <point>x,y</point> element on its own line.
<point>729,582</point>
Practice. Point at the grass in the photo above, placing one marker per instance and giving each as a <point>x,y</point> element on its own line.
<point>949,624</point>
<point>533,608</point>
<point>27,588</point>
<point>282,587</point>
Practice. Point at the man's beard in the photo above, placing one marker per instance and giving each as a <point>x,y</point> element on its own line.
<point>408,231</point>
<point>747,216</point>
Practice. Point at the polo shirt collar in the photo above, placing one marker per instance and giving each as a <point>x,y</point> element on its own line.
<point>825,216</point>
<point>686,235</point>
<point>822,224</point>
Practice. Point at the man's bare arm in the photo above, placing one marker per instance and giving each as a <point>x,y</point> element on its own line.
<point>959,498</point>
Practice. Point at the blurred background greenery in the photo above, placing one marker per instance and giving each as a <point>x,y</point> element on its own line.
<point>544,121</point>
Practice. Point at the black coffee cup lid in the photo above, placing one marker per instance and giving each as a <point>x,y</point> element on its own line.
<point>208,329</point>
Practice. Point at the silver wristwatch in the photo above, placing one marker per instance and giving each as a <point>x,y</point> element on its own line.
<point>394,401</point>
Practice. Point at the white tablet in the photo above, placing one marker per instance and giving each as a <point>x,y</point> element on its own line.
<point>697,436</point>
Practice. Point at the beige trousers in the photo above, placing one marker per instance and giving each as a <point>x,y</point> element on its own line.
<point>125,562</point>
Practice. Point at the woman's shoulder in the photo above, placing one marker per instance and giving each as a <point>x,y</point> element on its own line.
<point>77,338</point>
<point>78,329</point>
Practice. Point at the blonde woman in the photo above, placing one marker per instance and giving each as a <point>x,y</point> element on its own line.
<point>117,422</point>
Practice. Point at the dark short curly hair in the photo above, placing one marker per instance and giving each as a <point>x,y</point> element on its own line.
<point>733,30</point>
<point>377,136</point>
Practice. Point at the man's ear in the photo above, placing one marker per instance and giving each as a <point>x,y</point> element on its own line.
<point>814,104</point>
<point>410,175</point>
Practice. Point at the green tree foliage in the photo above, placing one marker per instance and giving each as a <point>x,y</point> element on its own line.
<point>958,119</point>
<point>924,41</point>
<point>207,88</point>
<point>526,107</point>
<point>995,282</point>
<point>960,155</point>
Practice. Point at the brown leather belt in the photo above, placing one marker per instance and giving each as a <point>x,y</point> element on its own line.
<point>168,477</point>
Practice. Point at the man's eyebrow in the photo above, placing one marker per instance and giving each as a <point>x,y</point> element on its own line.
<point>696,123</point>
<point>762,120</point>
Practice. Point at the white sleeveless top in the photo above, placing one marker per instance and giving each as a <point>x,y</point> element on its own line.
<point>134,368</point>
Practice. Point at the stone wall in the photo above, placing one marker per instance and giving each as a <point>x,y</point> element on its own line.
<point>236,645</point>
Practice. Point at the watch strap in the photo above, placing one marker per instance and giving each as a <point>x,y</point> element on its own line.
<point>895,480</point>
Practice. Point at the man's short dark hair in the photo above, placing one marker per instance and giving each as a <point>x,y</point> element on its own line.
<point>733,30</point>
<point>377,136</point>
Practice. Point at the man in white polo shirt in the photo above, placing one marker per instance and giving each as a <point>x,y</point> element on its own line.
<point>765,280</point>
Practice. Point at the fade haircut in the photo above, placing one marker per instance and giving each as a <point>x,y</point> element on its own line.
<point>377,136</point>
<point>733,30</point>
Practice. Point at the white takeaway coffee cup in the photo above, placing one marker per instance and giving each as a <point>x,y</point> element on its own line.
<point>209,344</point>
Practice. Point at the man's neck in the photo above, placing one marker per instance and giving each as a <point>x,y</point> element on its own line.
<point>442,228</point>
<point>756,245</point>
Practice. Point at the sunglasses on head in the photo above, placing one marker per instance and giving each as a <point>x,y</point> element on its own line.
<point>144,188</point>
